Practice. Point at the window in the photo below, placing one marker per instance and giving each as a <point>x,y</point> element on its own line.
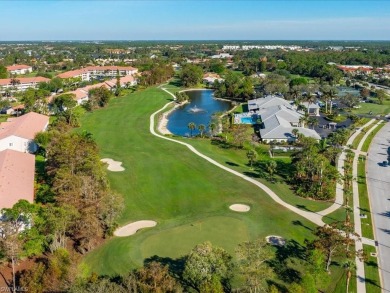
<point>11,144</point>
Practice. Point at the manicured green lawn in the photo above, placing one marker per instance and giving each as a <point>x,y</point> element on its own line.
<point>236,159</point>
<point>165,182</point>
<point>359,137</point>
<point>371,271</point>
<point>376,109</point>
<point>337,216</point>
<point>364,201</point>
<point>369,138</point>
<point>176,242</point>
<point>341,285</point>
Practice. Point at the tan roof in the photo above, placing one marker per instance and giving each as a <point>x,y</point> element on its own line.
<point>24,80</point>
<point>94,86</point>
<point>211,74</point>
<point>26,126</point>
<point>77,72</point>
<point>123,80</point>
<point>79,94</point>
<point>71,73</point>
<point>16,177</point>
<point>126,79</point>
<point>18,67</point>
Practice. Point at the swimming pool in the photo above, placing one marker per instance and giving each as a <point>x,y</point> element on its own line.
<point>247,120</point>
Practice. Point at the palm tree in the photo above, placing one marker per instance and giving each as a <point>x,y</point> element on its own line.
<point>303,120</point>
<point>271,168</point>
<point>296,94</point>
<point>313,122</point>
<point>251,155</point>
<point>212,127</point>
<point>322,145</point>
<point>191,126</point>
<point>329,94</point>
<point>201,128</point>
<point>349,266</point>
<point>310,99</point>
<point>295,132</point>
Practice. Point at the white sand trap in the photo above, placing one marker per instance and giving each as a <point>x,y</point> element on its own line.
<point>132,228</point>
<point>275,240</point>
<point>114,166</point>
<point>241,208</point>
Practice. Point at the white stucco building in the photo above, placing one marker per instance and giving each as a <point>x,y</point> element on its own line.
<point>21,83</point>
<point>19,69</point>
<point>93,72</point>
<point>18,133</point>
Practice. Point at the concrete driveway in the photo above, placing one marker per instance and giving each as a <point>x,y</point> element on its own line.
<point>378,181</point>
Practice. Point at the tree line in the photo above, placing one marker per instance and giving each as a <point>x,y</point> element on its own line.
<point>255,266</point>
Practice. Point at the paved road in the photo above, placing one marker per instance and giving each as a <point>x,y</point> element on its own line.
<point>378,181</point>
<point>380,87</point>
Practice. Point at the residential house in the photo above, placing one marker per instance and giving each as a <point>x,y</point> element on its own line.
<point>17,172</point>
<point>19,69</point>
<point>231,47</point>
<point>277,119</point>
<point>18,133</point>
<point>21,83</point>
<point>125,81</point>
<point>210,78</point>
<point>266,102</point>
<point>278,123</point>
<point>222,56</point>
<point>355,69</point>
<point>81,94</point>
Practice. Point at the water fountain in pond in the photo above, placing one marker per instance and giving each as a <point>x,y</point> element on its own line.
<point>195,109</point>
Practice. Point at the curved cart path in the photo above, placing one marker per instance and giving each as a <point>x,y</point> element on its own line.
<point>316,218</point>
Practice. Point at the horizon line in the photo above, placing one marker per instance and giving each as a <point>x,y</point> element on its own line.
<point>189,40</point>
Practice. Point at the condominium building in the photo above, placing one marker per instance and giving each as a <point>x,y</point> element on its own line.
<point>21,83</point>
<point>95,72</point>
<point>19,69</point>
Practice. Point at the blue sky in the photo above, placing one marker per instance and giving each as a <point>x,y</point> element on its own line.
<point>188,20</point>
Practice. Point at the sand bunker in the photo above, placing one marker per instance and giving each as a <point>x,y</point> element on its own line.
<point>242,208</point>
<point>275,240</point>
<point>132,228</point>
<point>113,166</point>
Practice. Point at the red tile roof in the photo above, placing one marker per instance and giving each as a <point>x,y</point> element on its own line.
<point>94,86</point>
<point>24,80</point>
<point>123,80</point>
<point>18,67</point>
<point>71,73</point>
<point>17,172</point>
<point>26,126</point>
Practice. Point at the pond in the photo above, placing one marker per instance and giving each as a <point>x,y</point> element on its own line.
<point>199,111</point>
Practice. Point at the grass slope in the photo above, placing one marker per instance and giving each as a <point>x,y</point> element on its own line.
<point>164,181</point>
<point>375,108</point>
<point>236,159</point>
